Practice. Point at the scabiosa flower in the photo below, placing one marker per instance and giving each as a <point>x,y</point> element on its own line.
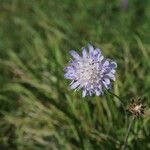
<point>90,72</point>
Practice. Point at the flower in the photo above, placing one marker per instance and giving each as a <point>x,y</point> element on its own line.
<point>90,72</point>
<point>136,107</point>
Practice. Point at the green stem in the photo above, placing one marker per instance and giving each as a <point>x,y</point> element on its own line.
<point>123,105</point>
<point>127,134</point>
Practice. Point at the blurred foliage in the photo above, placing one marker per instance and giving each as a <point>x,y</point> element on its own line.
<point>37,109</point>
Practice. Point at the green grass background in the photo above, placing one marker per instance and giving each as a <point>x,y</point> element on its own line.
<point>38,111</point>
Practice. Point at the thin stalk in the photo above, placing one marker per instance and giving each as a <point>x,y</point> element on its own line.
<point>127,134</point>
<point>115,96</point>
<point>123,106</point>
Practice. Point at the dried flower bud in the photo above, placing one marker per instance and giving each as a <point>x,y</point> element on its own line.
<point>136,107</point>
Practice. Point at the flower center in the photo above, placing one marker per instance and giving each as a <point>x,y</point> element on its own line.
<point>138,108</point>
<point>87,71</point>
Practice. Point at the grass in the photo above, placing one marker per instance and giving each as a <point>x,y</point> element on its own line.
<point>38,110</point>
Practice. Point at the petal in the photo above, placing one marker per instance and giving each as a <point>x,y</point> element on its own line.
<point>106,63</point>
<point>98,92</point>
<point>73,63</point>
<point>69,69</point>
<point>91,49</point>
<point>69,76</point>
<point>84,53</point>
<point>101,58</point>
<point>105,85</point>
<point>97,66</point>
<point>100,87</point>
<point>111,76</point>
<point>74,54</point>
<point>107,81</point>
<point>97,51</point>
<point>90,92</point>
<point>91,86</point>
<point>113,64</point>
<point>113,71</point>
<point>75,85</point>
<point>84,93</point>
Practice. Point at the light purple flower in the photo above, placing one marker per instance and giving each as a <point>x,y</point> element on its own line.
<point>91,72</point>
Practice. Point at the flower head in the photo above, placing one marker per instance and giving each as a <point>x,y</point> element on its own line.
<point>136,107</point>
<point>90,72</point>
